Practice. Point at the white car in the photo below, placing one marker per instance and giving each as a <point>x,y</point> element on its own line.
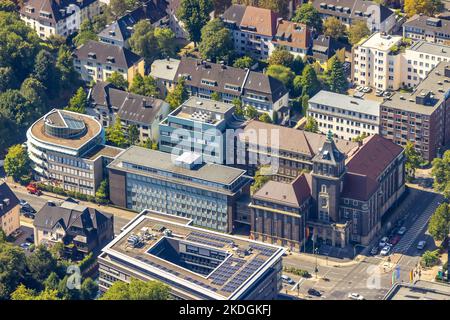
<point>359,88</point>
<point>421,245</point>
<point>383,242</point>
<point>401,231</point>
<point>385,251</point>
<point>355,296</point>
<point>23,203</point>
<point>366,89</point>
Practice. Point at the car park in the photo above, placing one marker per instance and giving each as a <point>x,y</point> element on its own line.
<point>287,279</point>
<point>383,242</point>
<point>314,292</point>
<point>401,231</point>
<point>421,245</point>
<point>385,251</point>
<point>355,296</point>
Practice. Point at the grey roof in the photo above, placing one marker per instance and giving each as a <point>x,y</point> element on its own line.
<point>123,58</point>
<point>346,102</point>
<point>162,161</point>
<point>8,199</point>
<point>423,22</point>
<point>329,153</point>
<point>165,69</point>
<point>353,6</point>
<point>259,82</point>
<point>69,214</point>
<point>234,14</point>
<point>129,106</point>
<point>121,29</point>
<point>437,49</point>
<point>436,85</point>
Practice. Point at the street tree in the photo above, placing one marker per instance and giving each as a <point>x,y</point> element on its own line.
<point>439,225</point>
<point>441,174</point>
<point>17,163</point>
<point>413,159</point>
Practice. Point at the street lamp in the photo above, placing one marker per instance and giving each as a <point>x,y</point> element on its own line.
<point>316,269</point>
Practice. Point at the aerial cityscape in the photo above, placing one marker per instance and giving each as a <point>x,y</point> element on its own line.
<point>224,150</point>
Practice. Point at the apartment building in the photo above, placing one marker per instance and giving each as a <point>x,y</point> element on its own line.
<point>145,113</point>
<point>96,61</point>
<point>141,178</point>
<point>430,29</point>
<point>292,150</point>
<point>379,18</point>
<point>342,200</point>
<point>164,72</point>
<point>375,63</point>
<point>175,24</point>
<point>420,59</point>
<point>9,210</point>
<point>58,17</point>
<point>197,264</point>
<point>119,31</point>
<point>67,150</point>
<point>198,125</point>
<point>422,116</point>
<point>293,37</point>
<point>80,229</point>
<point>345,116</point>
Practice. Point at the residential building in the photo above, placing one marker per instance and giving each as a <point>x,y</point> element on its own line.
<point>198,125</point>
<point>342,199</point>
<point>430,29</point>
<point>420,59</point>
<point>292,150</point>
<point>164,72</point>
<point>67,150</point>
<point>345,116</point>
<point>196,264</point>
<point>376,64</point>
<point>58,17</point>
<point>252,29</point>
<point>9,210</point>
<point>422,116</point>
<point>96,61</point>
<point>143,112</point>
<point>324,48</point>
<point>293,37</point>
<point>379,17</point>
<point>81,229</point>
<point>255,89</point>
<point>279,212</point>
<point>141,178</point>
<point>119,31</point>
<point>175,24</point>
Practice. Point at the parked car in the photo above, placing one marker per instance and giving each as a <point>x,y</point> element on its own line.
<point>287,279</point>
<point>421,245</point>
<point>23,203</point>
<point>366,89</point>
<point>383,242</point>
<point>401,231</point>
<point>394,240</point>
<point>379,93</point>
<point>25,245</point>
<point>355,296</point>
<point>359,88</point>
<point>374,250</point>
<point>314,292</point>
<point>385,251</point>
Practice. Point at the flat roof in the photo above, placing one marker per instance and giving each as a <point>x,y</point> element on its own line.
<point>436,83</point>
<point>381,42</point>
<point>163,161</point>
<point>346,102</point>
<point>165,68</point>
<point>420,290</point>
<point>437,49</point>
<point>243,264</point>
<point>103,150</point>
<point>93,128</point>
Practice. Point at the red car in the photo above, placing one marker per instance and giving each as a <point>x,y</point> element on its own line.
<point>395,240</point>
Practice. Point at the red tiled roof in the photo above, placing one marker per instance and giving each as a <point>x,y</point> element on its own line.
<point>264,20</point>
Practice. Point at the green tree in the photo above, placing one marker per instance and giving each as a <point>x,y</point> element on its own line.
<point>115,134</point>
<point>102,193</point>
<point>426,7</point>
<point>66,70</point>
<point>311,125</point>
<point>52,281</point>
<point>297,86</point>
<point>259,180</point>
<point>8,6</point>
<point>413,159</point>
<point>144,85</point>
<point>12,268</point>
<point>251,112</point>
<point>118,81</point>
<point>308,15</point>
<point>165,39</point>
<point>41,264</point>
<point>137,290</point>
<point>120,7</point>
<point>78,103</point>
<point>17,163</point>
<point>264,117</point>
<point>441,174</point>
<point>85,34</point>
<point>35,93</point>
<point>244,62</point>
<point>334,28</point>
<point>305,100</point>
<point>89,289</point>
<point>144,42</point>
<point>357,31</point>
<point>337,80</point>
<point>282,73</point>
<point>133,134</point>
<point>215,96</point>
<point>429,258</point>
<point>310,84</point>
<point>195,15</point>
<point>216,42</point>
<point>176,97</point>
<point>15,107</point>
<point>281,56</point>
<point>439,223</point>
<point>298,65</point>
<point>7,79</point>
<point>360,138</point>
<point>45,71</point>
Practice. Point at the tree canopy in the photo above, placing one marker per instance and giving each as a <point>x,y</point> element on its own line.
<point>78,103</point>
<point>357,31</point>
<point>176,97</point>
<point>281,73</point>
<point>308,15</point>
<point>441,174</point>
<point>439,225</point>
<point>337,80</point>
<point>17,163</point>
<point>334,28</point>
<point>137,290</point>
<point>216,42</point>
<point>195,15</point>
<point>426,7</point>
<point>282,57</point>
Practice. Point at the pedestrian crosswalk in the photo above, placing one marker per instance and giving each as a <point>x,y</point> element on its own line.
<point>413,232</point>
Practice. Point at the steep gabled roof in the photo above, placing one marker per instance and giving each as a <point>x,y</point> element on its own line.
<point>258,20</point>
<point>8,200</point>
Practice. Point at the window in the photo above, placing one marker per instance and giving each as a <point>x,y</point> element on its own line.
<point>323,188</point>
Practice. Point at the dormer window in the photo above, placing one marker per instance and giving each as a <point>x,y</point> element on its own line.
<point>110,59</point>
<point>209,82</point>
<point>29,9</point>
<point>92,55</point>
<point>45,14</point>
